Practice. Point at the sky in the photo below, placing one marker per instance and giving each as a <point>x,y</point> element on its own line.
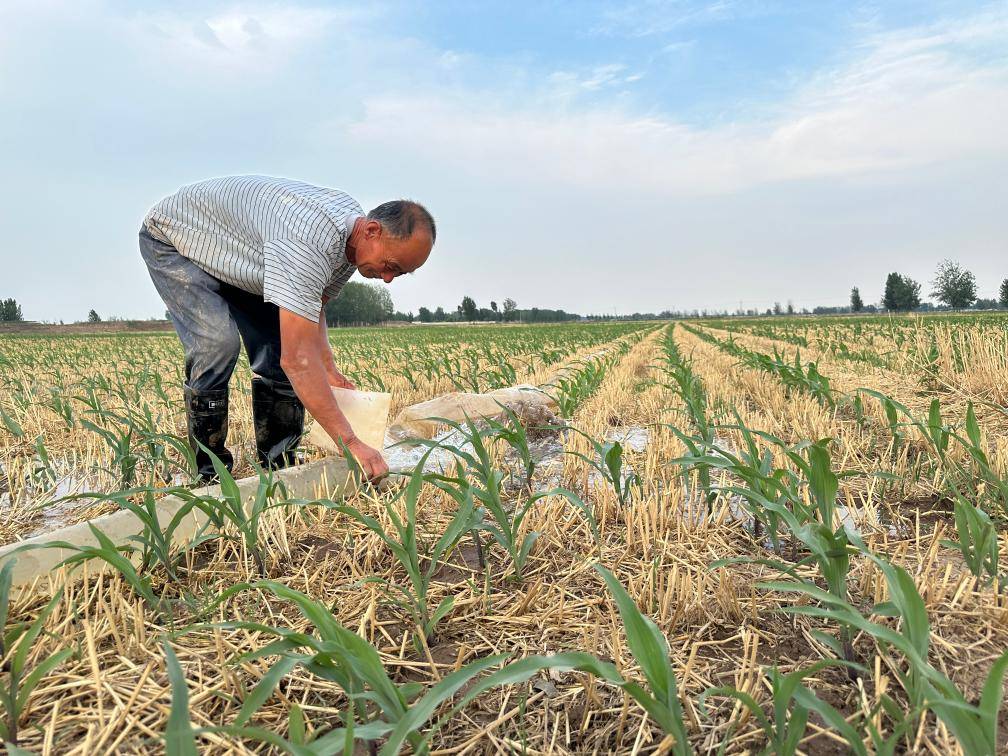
<point>594,156</point>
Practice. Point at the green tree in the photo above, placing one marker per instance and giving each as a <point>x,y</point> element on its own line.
<point>509,308</point>
<point>954,285</point>
<point>10,311</point>
<point>890,298</point>
<point>1003,299</point>
<point>360,304</point>
<point>426,316</point>
<point>93,317</point>
<point>468,309</point>
<point>856,305</point>
<point>902,293</point>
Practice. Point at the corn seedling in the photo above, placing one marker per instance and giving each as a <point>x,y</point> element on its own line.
<point>784,724</point>
<point>513,434</point>
<point>230,509</point>
<point>120,446</point>
<point>811,523</point>
<point>691,390</point>
<point>43,475</point>
<point>16,642</point>
<point>978,539</point>
<point>504,522</point>
<point>650,650</point>
<point>974,726</point>
<point>405,546</point>
<point>572,390</point>
<point>383,708</point>
<point>106,551</point>
<point>179,737</point>
<point>608,462</point>
<point>978,480</point>
<point>156,543</point>
<point>13,426</point>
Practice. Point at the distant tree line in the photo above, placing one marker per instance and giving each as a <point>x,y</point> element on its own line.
<point>953,287</point>
<point>507,312</point>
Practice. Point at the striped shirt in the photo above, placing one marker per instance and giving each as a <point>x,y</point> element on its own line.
<point>283,239</point>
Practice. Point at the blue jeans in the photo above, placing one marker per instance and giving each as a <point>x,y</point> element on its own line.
<point>212,319</point>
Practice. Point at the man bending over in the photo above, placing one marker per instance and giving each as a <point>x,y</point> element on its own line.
<point>254,259</point>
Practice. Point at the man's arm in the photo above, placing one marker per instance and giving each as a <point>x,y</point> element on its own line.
<point>336,378</point>
<point>303,360</point>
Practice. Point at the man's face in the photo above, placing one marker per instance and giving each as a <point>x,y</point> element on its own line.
<point>380,256</point>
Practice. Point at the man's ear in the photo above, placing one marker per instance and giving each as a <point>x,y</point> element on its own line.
<point>372,229</point>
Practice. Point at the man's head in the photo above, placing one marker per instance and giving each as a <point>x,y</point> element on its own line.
<point>395,238</point>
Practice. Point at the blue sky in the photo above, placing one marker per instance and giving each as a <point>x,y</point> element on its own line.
<point>594,156</point>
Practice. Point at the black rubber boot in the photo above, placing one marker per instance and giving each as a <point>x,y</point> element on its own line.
<point>279,422</point>
<point>207,421</point>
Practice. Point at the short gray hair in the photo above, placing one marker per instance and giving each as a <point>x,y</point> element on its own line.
<point>400,218</point>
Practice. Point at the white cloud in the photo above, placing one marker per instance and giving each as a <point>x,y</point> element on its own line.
<point>905,99</point>
<point>246,36</point>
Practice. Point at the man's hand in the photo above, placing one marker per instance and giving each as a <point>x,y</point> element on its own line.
<point>337,379</point>
<point>303,360</point>
<point>370,460</point>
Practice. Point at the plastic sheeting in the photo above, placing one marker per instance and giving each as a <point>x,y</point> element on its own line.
<point>418,420</point>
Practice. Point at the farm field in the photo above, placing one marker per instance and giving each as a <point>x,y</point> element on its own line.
<point>773,535</point>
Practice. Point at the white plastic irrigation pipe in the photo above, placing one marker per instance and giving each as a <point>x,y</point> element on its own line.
<point>327,478</point>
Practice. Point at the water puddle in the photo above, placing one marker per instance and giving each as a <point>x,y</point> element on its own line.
<point>42,508</point>
<point>632,438</point>
<point>402,456</point>
<point>545,449</point>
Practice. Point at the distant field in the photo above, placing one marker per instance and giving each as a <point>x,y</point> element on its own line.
<point>112,326</point>
<point>816,497</point>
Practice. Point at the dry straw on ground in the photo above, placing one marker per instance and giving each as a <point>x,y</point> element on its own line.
<point>113,695</point>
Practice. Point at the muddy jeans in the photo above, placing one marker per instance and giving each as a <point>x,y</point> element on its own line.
<point>212,318</point>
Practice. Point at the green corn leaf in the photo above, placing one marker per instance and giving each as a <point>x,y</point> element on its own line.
<point>646,642</point>
<point>463,521</point>
<point>510,674</point>
<point>670,719</point>
<point>832,717</point>
<point>424,708</point>
<point>11,424</point>
<point>6,578</point>
<point>265,687</point>
<point>444,606</point>
<point>990,698</point>
<point>27,640</point>
<point>296,725</point>
<point>972,427</point>
<point>180,740</point>
<point>523,551</point>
